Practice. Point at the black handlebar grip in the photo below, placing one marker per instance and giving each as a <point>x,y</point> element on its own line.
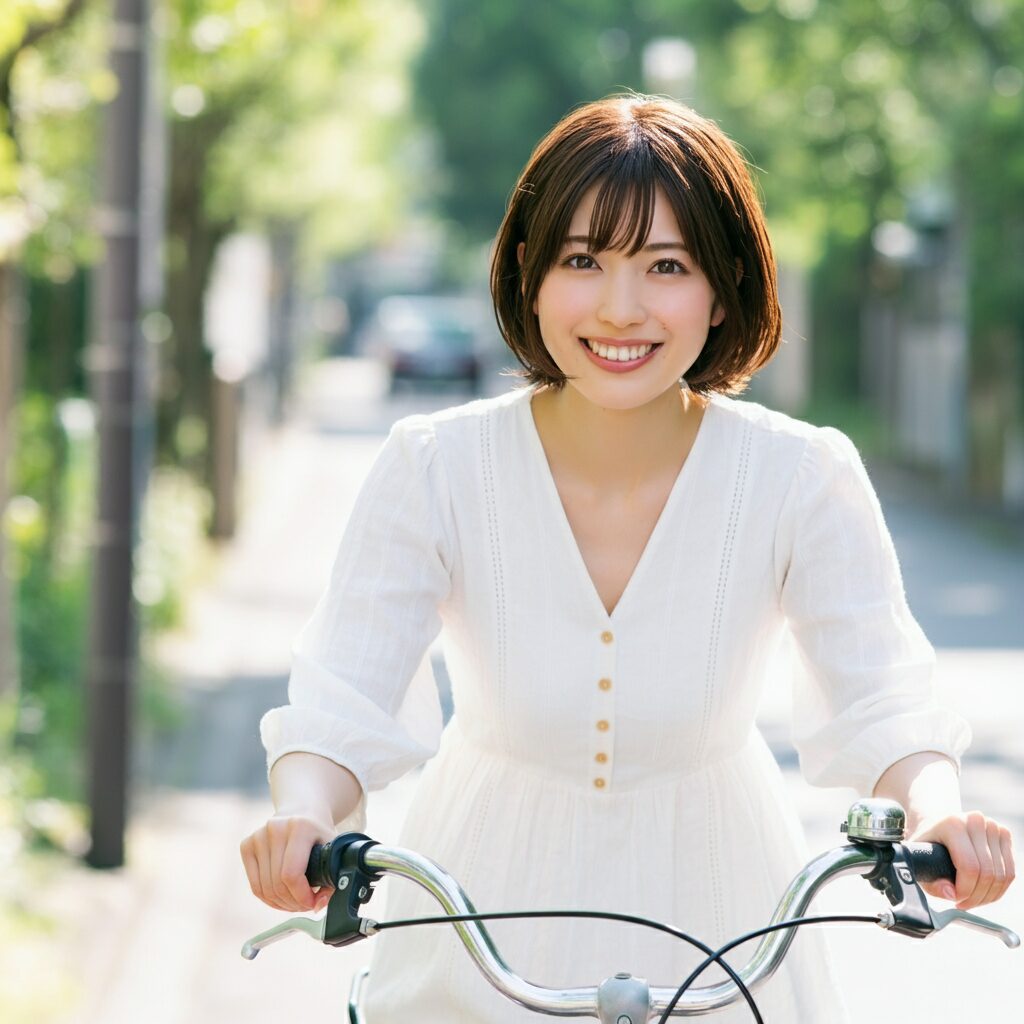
<point>318,868</point>
<point>930,862</point>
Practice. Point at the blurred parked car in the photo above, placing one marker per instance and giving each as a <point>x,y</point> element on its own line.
<point>426,339</point>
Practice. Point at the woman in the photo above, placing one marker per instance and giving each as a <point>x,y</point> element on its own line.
<point>614,552</point>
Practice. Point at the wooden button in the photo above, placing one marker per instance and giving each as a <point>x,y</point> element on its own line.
<point>602,726</point>
<point>605,684</point>
<point>607,637</point>
<point>601,758</point>
<point>599,783</point>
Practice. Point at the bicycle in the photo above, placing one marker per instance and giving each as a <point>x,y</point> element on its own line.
<point>353,863</point>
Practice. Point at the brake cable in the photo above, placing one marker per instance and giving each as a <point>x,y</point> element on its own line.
<point>712,956</point>
<point>795,922</point>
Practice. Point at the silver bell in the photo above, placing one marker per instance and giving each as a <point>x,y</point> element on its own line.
<point>875,820</point>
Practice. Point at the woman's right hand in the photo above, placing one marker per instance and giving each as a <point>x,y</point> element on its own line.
<point>276,856</point>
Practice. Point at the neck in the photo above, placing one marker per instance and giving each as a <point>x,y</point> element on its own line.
<point>616,449</point>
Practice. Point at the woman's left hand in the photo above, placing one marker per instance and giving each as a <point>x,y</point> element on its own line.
<point>982,853</point>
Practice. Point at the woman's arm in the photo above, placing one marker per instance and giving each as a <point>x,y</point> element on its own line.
<point>310,794</point>
<point>926,785</point>
<point>308,784</point>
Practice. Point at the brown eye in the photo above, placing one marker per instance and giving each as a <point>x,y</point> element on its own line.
<point>669,267</point>
<point>581,261</point>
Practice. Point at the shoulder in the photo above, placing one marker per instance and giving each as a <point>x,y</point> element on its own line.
<point>455,443</point>
<point>449,426</point>
<point>786,440</point>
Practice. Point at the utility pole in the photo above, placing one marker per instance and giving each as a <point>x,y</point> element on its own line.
<point>114,363</point>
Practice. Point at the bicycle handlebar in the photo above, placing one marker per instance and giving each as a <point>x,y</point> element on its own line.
<point>931,862</point>
<point>353,863</point>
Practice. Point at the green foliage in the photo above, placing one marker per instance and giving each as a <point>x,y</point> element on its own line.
<point>172,553</point>
<point>50,573</point>
<point>300,112</point>
<point>48,531</point>
<point>492,82</point>
<point>48,154</point>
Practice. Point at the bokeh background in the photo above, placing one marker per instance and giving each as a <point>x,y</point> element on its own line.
<point>318,185</point>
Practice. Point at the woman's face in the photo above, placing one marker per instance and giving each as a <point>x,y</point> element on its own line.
<point>623,328</point>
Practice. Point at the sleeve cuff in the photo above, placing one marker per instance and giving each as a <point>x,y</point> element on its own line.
<point>863,761</point>
<point>374,758</point>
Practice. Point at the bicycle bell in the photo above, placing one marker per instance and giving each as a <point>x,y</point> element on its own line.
<point>875,821</point>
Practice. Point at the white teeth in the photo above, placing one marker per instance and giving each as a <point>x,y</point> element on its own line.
<point>618,353</point>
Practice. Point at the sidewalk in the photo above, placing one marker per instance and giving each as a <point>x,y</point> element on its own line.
<point>160,939</point>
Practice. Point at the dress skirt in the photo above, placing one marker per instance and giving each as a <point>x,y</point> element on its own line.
<point>700,852</point>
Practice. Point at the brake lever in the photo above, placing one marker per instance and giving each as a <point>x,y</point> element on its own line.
<point>945,917</point>
<point>311,926</point>
<point>912,914</point>
<point>314,927</point>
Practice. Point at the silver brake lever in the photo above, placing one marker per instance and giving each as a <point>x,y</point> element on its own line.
<point>312,926</point>
<point>944,917</point>
<point>941,918</point>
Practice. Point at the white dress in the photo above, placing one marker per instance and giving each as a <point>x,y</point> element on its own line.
<point>603,761</point>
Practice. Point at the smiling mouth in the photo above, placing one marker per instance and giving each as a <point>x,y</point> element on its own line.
<point>620,353</point>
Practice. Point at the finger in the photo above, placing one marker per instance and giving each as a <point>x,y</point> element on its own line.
<point>252,868</point>
<point>991,879</point>
<point>941,889</point>
<point>976,832</point>
<point>293,868</point>
<point>279,834</point>
<point>993,833</point>
<point>1006,848</point>
<point>965,860</point>
<point>261,844</point>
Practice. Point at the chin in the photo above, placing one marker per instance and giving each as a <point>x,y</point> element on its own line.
<point>621,396</point>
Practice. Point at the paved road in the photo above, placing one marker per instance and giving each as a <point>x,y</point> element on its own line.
<point>159,941</point>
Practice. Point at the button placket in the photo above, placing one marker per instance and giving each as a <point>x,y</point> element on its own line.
<point>604,720</point>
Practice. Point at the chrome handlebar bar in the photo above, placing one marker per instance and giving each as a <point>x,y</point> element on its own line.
<point>875,854</point>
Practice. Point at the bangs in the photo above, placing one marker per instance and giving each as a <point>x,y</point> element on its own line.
<point>624,207</point>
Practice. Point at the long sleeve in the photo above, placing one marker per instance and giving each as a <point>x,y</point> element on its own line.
<point>866,697</point>
<point>349,688</point>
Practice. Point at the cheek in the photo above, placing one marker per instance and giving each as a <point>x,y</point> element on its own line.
<point>560,302</point>
<point>695,307</point>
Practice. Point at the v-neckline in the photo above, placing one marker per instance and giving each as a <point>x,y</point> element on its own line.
<point>686,472</point>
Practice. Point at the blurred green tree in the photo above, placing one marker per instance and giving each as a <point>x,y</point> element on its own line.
<point>35,200</point>
<point>284,119</point>
<point>491,82</point>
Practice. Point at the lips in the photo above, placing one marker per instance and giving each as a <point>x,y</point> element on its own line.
<point>619,356</point>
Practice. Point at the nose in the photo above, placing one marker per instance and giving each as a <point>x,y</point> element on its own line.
<point>621,304</point>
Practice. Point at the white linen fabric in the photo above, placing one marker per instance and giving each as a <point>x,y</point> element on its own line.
<point>652,792</point>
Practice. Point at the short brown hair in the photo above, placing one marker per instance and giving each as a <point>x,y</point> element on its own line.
<point>629,146</point>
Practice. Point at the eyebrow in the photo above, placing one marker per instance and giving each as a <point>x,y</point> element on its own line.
<point>651,247</point>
